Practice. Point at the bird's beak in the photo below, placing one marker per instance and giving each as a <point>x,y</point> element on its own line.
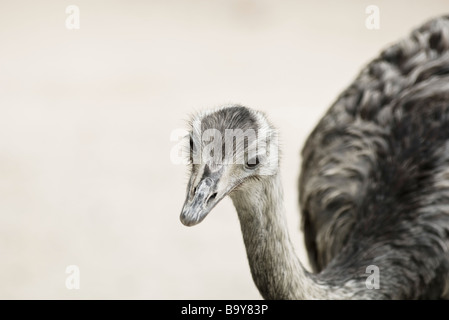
<point>199,201</point>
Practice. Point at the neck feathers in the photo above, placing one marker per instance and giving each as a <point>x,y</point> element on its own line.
<point>275,268</point>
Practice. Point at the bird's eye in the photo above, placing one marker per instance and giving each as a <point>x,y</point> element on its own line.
<point>191,144</point>
<point>252,163</point>
<point>192,150</point>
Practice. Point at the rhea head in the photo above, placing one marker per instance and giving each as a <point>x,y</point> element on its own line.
<point>230,148</point>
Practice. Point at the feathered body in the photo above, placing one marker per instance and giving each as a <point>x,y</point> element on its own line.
<point>374,187</point>
<point>374,184</point>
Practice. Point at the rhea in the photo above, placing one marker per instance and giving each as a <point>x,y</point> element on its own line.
<point>373,188</point>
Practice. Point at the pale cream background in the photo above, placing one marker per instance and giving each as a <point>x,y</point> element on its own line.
<point>86,117</point>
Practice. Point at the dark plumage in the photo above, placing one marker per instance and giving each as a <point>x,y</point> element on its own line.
<point>374,184</point>
<point>374,187</point>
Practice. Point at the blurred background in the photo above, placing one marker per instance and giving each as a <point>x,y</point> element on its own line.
<point>86,117</point>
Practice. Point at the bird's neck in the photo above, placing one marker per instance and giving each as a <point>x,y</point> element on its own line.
<point>275,267</point>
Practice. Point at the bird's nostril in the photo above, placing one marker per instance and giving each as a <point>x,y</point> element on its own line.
<point>212,197</point>
<point>192,193</point>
